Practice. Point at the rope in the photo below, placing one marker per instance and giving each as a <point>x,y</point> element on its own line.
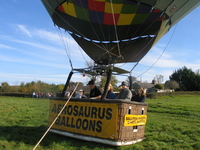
<point>144,32</point>
<point>61,37</point>
<point>138,36</point>
<point>64,45</point>
<point>134,66</point>
<point>57,116</point>
<point>87,63</point>
<point>63,19</point>
<point>115,28</point>
<point>160,54</point>
<point>103,47</point>
<point>138,52</point>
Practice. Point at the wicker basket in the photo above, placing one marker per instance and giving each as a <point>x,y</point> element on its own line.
<point>113,122</point>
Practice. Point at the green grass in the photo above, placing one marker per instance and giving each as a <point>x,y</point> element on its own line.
<point>173,124</point>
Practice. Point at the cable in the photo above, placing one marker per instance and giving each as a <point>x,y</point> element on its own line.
<point>132,42</point>
<point>160,54</point>
<point>115,29</point>
<point>64,45</point>
<point>103,45</point>
<point>84,57</point>
<point>103,48</point>
<point>93,27</point>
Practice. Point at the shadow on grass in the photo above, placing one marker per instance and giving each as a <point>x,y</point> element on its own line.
<point>31,136</point>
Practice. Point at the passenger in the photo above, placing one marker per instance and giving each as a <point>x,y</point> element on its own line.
<point>67,94</point>
<point>125,93</point>
<point>80,94</point>
<point>95,92</point>
<point>110,94</point>
<point>140,96</point>
<point>33,96</point>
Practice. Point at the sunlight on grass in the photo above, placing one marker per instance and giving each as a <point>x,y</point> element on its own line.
<point>173,123</point>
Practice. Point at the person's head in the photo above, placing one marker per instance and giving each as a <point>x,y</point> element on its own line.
<point>124,84</point>
<point>110,87</point>
<point>91,84</point>
<point>140,91</point>
<point>67,94</point>
<point>81,92</point>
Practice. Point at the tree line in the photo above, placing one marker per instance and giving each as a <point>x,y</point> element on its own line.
<point>183,79</point>
<point>39,86</point>
<point>187,80</point>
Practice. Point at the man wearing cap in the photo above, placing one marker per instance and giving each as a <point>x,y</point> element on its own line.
<point>95,92</point>
<point>125,93</point>
<point>80,94</point>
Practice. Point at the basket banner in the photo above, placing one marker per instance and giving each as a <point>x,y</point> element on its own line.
<point>89,118</point>
<point>135,120</point>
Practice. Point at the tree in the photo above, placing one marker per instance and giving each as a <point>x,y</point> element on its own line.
<point>31,87</point>
<point>159,86</point>
<point>113,81</point>
<point>5,87</point>
<point>187,79</point>
<point>60,87</point>
<point>159,79</point>
<point>198,72</point>
<point>23,87</point>
<point>73,84</point>
<point>171,84</point>
<point>134,79</point>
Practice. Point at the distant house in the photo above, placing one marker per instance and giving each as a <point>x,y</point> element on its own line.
<point>86,89</point>
<point>148,87</point>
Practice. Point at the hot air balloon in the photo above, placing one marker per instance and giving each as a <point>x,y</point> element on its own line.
<point>117,31</point>
<point>112,32</point>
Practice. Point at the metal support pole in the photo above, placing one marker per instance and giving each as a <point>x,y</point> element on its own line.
<point>109,74</point>
<point>66,84</point>
<point>131,82</point>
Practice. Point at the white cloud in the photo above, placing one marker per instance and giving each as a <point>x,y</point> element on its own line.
<point>24,30</point>
<point>5,46</point>
<point>32,61</point>
<point>65,44</point>
<point>16,79</point>
<point>63,39</point>
<point>149,61</point>
<point>6,58</point>
<point>42,46</point>
<point>59,37</point>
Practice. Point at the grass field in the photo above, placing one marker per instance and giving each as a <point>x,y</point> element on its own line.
<point>173,124</point>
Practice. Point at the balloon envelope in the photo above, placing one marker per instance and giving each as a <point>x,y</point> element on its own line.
<point>117,31</point>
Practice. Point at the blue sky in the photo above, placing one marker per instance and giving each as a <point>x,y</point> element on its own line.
<point>31,48</point>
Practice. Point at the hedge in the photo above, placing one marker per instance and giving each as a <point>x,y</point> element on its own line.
<point>171,94</point>
<point>16,94</point>
<point>149,95</point>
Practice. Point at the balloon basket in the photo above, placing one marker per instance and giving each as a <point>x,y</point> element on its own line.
<point>112,122</point>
